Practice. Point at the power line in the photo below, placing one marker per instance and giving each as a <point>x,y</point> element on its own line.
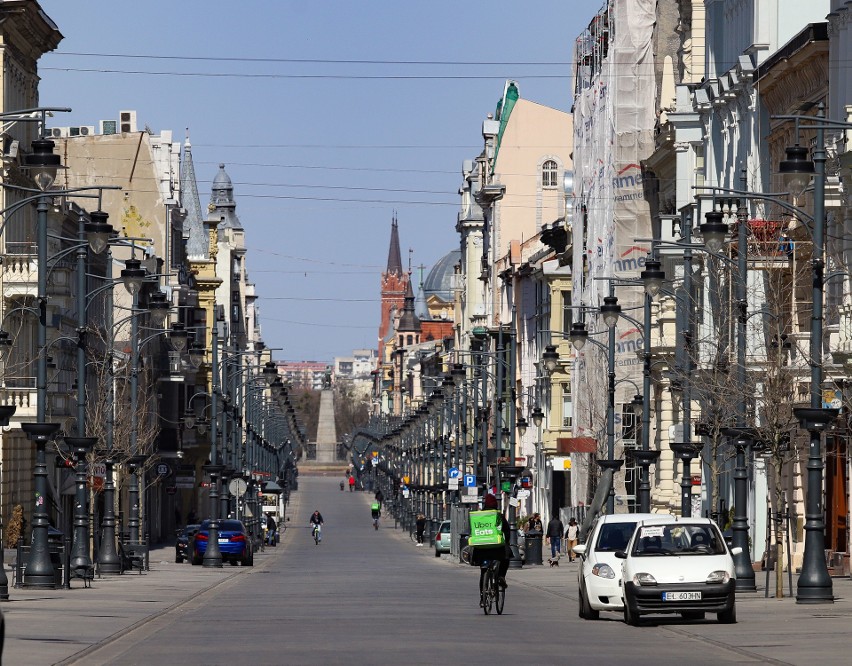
<point>381,77</point>
<point>328,61</point>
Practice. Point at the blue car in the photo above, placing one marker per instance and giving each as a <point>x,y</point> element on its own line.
<point>234,542</point>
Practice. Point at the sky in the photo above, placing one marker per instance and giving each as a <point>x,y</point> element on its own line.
<point>330,117</point>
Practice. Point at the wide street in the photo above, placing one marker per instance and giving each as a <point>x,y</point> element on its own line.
<point>370,597</point>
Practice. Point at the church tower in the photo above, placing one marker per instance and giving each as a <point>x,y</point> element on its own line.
<point>394,284</point>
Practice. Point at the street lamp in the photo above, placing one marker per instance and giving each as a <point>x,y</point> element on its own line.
<point>39,570</point>
<point>814,584</point>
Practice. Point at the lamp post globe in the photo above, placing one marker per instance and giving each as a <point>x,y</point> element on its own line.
<point>132,275</point>
<point>714,230</point>
<point>578,335</point>
<point>610,311</point>
<point>797,170</point>
<point>653,277</point>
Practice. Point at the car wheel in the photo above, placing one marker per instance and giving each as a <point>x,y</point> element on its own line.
<point>692,615</point>
<point>233,563</point>
<point>178,559</point>
<point>630,617</point>
<point>586,610</point>
<point>728,616</point>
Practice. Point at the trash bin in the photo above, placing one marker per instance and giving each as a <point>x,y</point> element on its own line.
<point>532,547</point>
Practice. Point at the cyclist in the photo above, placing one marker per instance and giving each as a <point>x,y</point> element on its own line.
<point>483,554</point>
<point>316,522</point>
<point>375,511</point>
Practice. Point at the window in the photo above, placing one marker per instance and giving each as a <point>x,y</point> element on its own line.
<point>567,406</point>
<point>567,315</point>
<point>629,424</point>
<point>548,174</point>
<point>410,340</point>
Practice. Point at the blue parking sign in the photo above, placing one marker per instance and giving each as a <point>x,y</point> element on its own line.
<point>469,480</point>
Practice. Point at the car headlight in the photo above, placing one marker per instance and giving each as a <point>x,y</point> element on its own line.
<point>644,579</point>
<point>718,577</point>
<point>603,570</point>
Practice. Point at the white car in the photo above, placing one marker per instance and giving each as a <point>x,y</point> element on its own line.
<point>678,566</point>
<point>600,571</point>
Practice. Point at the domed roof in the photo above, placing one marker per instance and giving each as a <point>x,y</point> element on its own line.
<point>439,282</point>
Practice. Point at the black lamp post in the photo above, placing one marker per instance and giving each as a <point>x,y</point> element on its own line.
<point>134,527</point>
<point>742,439</point>
<point>81,446</point>
<point>814,584</point>
<point>6,412</point>
<point>686,452</point>
<point>39,570</point>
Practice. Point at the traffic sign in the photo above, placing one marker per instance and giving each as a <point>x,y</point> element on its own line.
<point>453,473</point>
<point>523,494</point>
<point>469,480</point>
<point>163,469</point>
<point>469,499</point>
<point>453,484</point>
<point>238,487</point>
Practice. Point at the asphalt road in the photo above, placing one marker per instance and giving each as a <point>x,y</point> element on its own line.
<point>370,597</point>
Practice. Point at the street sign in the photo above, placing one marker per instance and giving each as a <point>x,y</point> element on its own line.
<point>185,481</point>
<point>238,487</point>
<point>472,490</point>
<point>97,469</point>
<point>170,490</point>
<point>523,494</point>
<point>506,486</point>
<point>453,473</point>
<point>406,492</point>
<point>469,480</point>
<point>453,484</point>
<point>469,499</point>
<point>163,469</point>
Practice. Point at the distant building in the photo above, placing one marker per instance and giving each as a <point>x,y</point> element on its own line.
<point>355,367</point>
<point>303,374</point>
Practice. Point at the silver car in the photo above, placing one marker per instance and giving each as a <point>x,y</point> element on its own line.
<point>443,538</point>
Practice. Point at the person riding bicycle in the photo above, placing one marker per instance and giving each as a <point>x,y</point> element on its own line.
<point>483,554</point>
<point>316,522</point>
<point>375,511</point>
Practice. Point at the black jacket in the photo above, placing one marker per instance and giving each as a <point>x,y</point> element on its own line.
<point>555,529</point>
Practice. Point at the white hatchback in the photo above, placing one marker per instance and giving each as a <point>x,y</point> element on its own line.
<point>599,578</point>
<point>678,566</point>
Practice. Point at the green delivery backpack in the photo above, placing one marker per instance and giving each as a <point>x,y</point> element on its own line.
<point>485,528</point>
<point>374,506</point>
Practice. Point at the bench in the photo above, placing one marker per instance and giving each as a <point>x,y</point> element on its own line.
<point>133,555</point>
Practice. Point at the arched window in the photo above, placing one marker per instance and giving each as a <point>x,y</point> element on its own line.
<point>548,174</point>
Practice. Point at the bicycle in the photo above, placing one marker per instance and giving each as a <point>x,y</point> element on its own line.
<point>491,593</point>
<point>316,533</point>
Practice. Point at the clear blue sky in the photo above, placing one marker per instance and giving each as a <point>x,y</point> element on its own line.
<point>320,153</point>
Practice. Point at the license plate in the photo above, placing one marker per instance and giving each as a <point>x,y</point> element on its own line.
<point>223,541</point>
<point>681,596</point>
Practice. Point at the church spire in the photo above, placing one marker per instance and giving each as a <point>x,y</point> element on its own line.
<point>394,256</point>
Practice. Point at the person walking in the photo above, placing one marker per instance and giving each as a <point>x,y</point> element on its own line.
<point>571,535</point>
<point>351,483</point>
<point>421,527</point>
<point>555,529</point>
<point>380,498</point>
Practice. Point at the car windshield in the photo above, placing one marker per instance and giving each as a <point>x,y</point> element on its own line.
<point>445,527</point>
<point>678,539</point>
<point>614,536</point>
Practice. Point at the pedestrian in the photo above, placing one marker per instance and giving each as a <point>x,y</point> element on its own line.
<point>535,524</point>
<point>191,518</point>
<point>421,527</point>
<point>555,528</point>
<point>271,529</point>
<point>380,498</point>
<point>571,535</point>
<point>351,483</point>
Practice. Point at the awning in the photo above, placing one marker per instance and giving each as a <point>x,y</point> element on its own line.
<point>576,445</point>
<point>272,487</point>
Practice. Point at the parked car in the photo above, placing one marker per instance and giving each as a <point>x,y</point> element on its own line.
<point>184,537</point>
<point>234,542</point>
<point>681,566</point>
<point>599,578</point>
<point>443,538</point>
